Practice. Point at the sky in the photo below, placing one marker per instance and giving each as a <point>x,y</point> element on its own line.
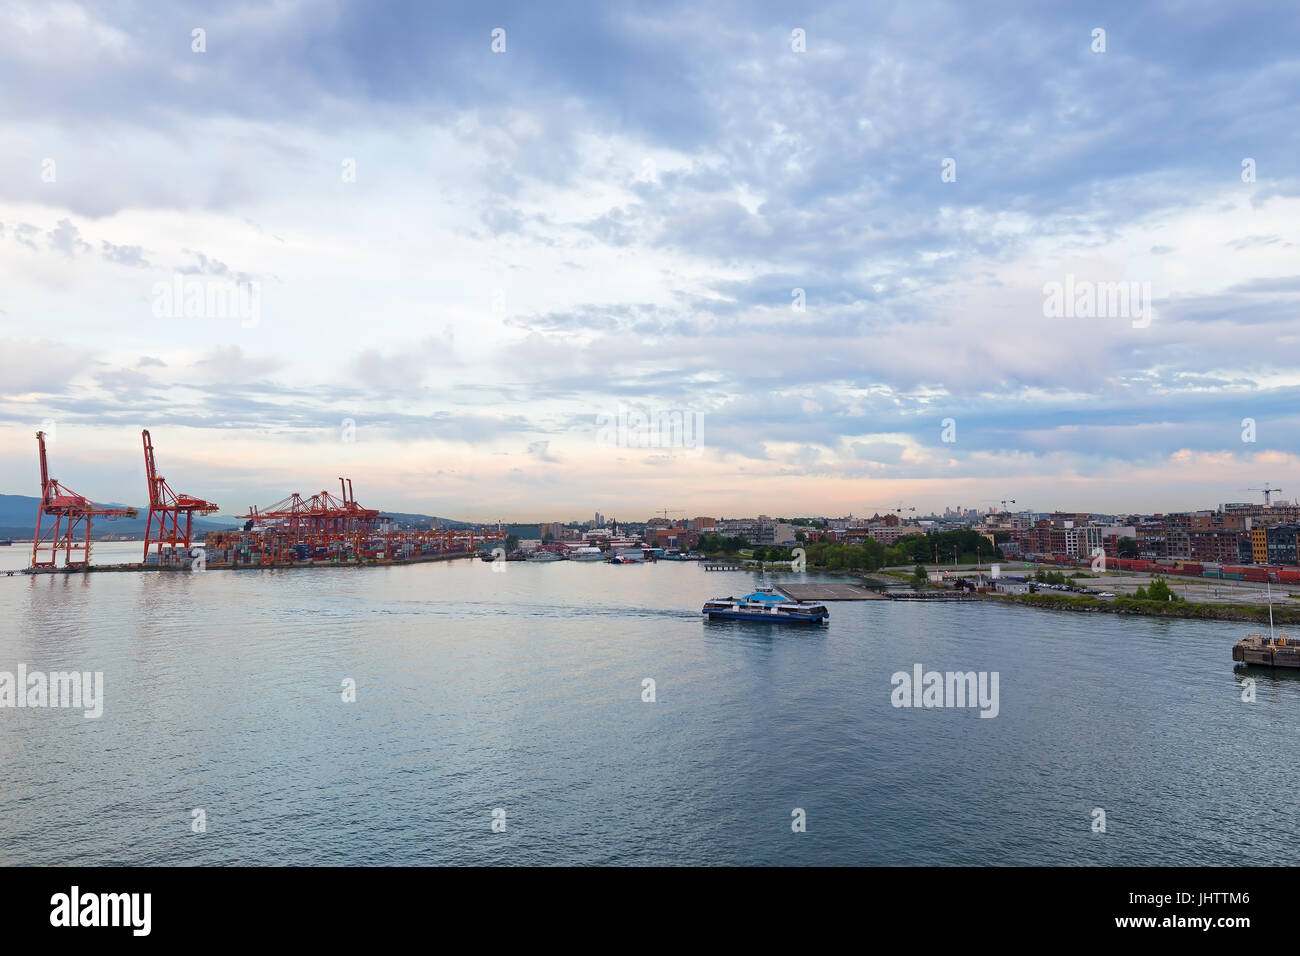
<point>534,261</point>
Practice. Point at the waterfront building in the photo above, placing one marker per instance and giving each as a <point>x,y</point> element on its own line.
<point>759,531</point>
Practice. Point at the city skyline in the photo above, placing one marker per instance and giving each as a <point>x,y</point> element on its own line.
<point>863,259</point>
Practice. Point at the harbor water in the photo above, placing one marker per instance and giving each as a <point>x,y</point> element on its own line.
<point>524,691</point>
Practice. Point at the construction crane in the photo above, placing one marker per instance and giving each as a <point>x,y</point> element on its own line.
<point>72,513</point>
<point>1004,502</point>
<point>1268,493</point>
<point>669,511</point>
<point>166,508</point>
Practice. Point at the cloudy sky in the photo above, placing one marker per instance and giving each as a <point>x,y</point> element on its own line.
<point>461,264</point>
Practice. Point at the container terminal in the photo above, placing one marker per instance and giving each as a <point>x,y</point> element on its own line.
<point>322,530</point>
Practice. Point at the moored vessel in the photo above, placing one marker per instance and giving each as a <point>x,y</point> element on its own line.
<point>1271,651</point>
<point>1267,651</point>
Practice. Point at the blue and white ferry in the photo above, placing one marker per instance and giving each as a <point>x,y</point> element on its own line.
<point>767,607</point>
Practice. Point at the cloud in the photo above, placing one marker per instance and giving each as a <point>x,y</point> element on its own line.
<point>229,364</point>
<point>540,450</point>
<point>41,366</point>
<point>648,187</point>
<point>66,238</point>
<point>124,255</point>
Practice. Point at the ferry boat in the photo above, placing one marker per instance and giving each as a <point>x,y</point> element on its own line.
<point>628,557</point>
<point>586,554</point>
<point>767,607</point>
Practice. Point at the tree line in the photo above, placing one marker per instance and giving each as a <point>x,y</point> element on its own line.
<point>870,555</point>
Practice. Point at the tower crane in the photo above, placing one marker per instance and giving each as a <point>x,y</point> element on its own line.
<point>1268,493</point>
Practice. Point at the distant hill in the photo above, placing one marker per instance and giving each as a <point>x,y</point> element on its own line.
<point>422,521</point>
<point>18,518</point>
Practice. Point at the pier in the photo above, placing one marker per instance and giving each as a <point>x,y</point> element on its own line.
<point>829,591</point>
<point>246,566</point>
<point>908,594</point>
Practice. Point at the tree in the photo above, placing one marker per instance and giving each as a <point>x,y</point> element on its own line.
<point>720,544</point>
<point>1160,591</point>
<point>512,542</point>
<point>920,573</point>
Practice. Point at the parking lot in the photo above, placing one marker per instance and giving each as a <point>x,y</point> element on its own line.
<point>1197,590</point>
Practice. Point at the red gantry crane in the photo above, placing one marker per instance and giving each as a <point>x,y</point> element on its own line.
<point>166,508</point>
<point>69,532</point>
<point>318,521</point>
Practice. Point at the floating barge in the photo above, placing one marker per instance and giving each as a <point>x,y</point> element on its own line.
<point>1263,651</point>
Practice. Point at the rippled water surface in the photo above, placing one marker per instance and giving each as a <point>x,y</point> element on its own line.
<point>522,690</point>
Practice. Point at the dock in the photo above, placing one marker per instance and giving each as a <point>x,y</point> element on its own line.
<point>829,591</point>
<point>901,594</point>
<point>227,566</point>
<point>833,591</point>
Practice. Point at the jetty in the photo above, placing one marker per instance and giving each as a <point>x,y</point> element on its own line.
<point>909,594</point>
<point>829,591</point>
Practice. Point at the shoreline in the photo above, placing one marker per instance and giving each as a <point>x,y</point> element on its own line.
<point>184,569</point>
<point>1185,610</point>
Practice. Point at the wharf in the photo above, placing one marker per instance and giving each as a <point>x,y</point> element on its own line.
<point>282,566</point>
<point>900,594</point>
<point>829,591</point>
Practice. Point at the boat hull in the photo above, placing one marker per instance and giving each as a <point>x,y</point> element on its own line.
<point>1267,655</point>
<point>765,606</point>
<point>762,618</point>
